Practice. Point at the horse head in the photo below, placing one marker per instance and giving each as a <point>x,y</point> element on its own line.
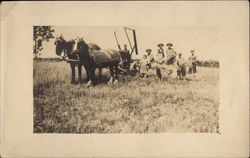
<point>60,45</point>
<point>81,48</point>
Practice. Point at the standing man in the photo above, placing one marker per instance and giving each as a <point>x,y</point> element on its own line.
<point>181,71</point>
<point>193,62</point>
<point>126,53</point>
<point>170,54</point>
<point>126,57</point>
<point>160,54</point>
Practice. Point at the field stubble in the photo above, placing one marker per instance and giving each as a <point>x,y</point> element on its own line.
<point>133,105</point>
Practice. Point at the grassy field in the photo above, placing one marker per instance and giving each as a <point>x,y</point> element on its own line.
<point>133,105</point>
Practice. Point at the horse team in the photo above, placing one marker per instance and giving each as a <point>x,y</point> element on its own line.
<point>92,57</point>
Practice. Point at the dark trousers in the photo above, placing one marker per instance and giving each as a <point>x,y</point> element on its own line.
<point>171,60</point>
<point>158,73</point>
<point>192,69</point>
<point>181,72</point>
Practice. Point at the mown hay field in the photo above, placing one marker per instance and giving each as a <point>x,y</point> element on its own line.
<point>133,105</point>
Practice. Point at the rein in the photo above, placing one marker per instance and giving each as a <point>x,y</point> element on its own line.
<point>65,55</point>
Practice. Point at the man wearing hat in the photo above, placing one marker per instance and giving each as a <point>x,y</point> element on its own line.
<point>193,61</point>
<point>126,57</point>
<point>127,53</point>
<point>160,54</point>
<point>181,71</point>
<point>170,54</point>
<point>150,56</point>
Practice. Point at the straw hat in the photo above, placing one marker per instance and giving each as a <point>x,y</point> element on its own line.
<point>160,45</point>
<point>169,44</point>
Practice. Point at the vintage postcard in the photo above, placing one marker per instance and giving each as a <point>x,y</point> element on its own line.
<point>124,79</point>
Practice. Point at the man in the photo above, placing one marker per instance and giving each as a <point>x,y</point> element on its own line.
<point>160,54</point>
<point>193,61</point>
<point>150,57</point>
<point>144,68</point>
<point>181,71</point>
<point>146,61</point>
<point>126,57</point>
<point>170,54</point>
<point>127,53</point>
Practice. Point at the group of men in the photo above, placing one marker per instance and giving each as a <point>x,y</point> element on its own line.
<point>168,57</point>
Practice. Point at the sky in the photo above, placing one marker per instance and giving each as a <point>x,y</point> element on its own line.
<point>204,40</point>
<point>215,30</point>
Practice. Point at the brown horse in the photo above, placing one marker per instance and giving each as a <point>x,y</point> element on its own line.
<point>66,48</point>
<point>92,59</point>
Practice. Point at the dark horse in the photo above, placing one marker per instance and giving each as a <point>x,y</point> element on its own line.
<point>92,59</point>
<point>67,47</point>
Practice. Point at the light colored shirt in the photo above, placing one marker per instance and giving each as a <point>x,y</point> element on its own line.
<point>144,63</point>
<point>192,58</point>
<point>160,55</point>
<point>170,52</point>
<point>150,58</point>
<point>180,61</point>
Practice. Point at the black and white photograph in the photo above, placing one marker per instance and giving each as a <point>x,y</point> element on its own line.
<point>119,79</point>
<point>124,79</point>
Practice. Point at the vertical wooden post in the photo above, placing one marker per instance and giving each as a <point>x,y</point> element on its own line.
<point>134,38</point>
<point>119,47</point>
<point>128,39</point>
<point>135,41</point>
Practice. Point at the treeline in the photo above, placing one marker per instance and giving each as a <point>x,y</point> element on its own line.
<point>201,63</point>
<point>209,63</point>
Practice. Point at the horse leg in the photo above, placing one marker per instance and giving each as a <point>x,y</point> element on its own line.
<point>111,74</point>
<point>87,72</point>
<point>80,73</point>
<point>116,74</point>
<point>87,76</point>
<point>92,76</point>
<point>87,67</point>
<point>89,82</point>
<point>72,73</point>
<point>100,74</point>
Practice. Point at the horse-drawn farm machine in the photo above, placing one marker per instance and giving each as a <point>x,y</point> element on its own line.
<point>129,65</point>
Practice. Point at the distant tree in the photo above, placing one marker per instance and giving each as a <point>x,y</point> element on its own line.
<point>40,34</point>
<point>208,63</point>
